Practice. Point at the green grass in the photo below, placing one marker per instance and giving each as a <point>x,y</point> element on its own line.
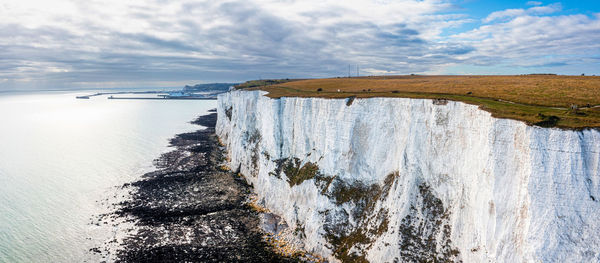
<point>261,83</point>
<point>537,100</point>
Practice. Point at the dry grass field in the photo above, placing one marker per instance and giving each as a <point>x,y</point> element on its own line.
<point>571,102</point>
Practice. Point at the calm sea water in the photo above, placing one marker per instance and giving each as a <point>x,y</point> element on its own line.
<point>60,157</point>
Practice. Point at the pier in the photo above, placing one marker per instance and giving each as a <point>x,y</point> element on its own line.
<point>160,95</point>
<point>162,98</point>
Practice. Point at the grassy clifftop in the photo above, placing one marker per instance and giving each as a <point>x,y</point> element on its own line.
<point>571,102</point>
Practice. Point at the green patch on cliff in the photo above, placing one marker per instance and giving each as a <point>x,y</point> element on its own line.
<point>360,193</point>
<point>350,242</point>
<point>295,171</point>
<point>323,182</point>
<point>349,231</point>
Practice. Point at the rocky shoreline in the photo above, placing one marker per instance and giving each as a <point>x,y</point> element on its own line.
<point>190,209</point>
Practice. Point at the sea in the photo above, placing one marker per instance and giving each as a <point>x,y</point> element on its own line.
<point>63,161</point>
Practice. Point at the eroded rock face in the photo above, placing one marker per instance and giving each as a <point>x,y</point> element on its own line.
<point>389,179</point>
<point>272,223</point>
<point>425,233</point>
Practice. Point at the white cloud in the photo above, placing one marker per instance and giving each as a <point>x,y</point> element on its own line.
<point>530,41</point>
<point>534,3</point>
<point>70,42</point>
<point>510,13</point>
<point>175,39</point>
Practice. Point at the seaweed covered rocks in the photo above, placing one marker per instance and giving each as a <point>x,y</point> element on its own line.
<point>190,210</point>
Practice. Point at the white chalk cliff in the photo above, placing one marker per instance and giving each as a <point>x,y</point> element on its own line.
<point>405,180</point>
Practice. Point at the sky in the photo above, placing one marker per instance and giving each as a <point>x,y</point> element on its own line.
<point>66,44</point>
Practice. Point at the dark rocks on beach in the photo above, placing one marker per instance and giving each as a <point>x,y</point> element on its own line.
<point>190,210</point>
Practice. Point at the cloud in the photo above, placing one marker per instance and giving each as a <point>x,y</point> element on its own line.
<point>68,43</point>
<point>531,41</point>
<point>534,3</point>
<point>73,42</point>
<point>510,13</point>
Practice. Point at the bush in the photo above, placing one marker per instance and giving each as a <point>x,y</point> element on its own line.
<point>350,100</point>
<point>547,121</point>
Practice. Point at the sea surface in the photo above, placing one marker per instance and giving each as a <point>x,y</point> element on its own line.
<point>61,157</point>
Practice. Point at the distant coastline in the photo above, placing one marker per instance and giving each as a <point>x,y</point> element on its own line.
<point>197,92</point>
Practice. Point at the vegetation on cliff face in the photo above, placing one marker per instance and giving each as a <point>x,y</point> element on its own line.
<point>545,100</point>
<point>345,237</point>
<point>295,171</point>
<point>427,221</point>
<point>357,221</point>
<point>350,241</point>
<point>253,138</point>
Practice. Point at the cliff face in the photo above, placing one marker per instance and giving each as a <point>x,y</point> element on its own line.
<point>386,179</point>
